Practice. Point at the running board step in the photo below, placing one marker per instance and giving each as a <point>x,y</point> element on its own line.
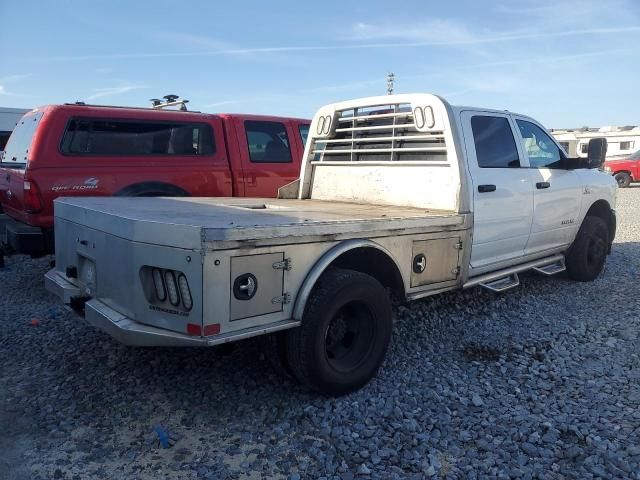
<point>551,268</point>
<point>503,283</point>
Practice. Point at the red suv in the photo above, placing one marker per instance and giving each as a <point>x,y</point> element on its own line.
<point>77,149</point>
<point>626,170</point>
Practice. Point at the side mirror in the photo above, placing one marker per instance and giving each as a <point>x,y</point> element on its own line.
<point>597,152</point>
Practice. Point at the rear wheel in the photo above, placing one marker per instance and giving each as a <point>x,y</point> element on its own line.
<point>623,179</point>
<point>344,334</point>
<point>585,259</point>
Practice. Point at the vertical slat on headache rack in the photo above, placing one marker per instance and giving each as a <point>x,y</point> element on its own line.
<point>353,134</point>
<point>393,133</point>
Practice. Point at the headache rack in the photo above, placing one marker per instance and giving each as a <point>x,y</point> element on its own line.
<point>379,133</point>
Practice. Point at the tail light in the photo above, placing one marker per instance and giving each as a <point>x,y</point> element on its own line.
<point>165,285</point>
<point>172,288</point>
<point>158,284</point>
<point>185,293</point>
<point>32,197</point>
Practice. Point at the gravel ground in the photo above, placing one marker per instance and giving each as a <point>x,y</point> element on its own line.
<point>540,382</point>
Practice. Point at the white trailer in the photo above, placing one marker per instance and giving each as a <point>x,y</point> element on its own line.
<point>399,197</point>
<point>621,141</point>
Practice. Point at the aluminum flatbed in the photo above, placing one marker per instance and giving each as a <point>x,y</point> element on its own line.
<point>191,222</point>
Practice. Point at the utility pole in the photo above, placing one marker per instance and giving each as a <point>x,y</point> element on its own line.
<point>390,78</point>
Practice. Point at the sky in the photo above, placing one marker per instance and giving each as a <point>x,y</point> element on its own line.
<point>566,63</point>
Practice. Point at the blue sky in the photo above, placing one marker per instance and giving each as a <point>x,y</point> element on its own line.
<point>567,63</point>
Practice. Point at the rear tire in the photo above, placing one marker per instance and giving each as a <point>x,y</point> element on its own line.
<point>585,259</point>
<point>623,179</point>
<point>345,333</point>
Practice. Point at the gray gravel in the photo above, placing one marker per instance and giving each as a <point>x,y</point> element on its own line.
<point>541,382</point>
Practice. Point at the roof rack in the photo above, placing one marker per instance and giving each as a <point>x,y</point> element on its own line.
<point>83,104</point>
<point>171,100</point>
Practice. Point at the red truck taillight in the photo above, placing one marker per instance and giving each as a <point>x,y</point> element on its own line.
<point>32,197</point>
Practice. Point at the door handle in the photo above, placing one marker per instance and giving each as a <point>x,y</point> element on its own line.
<point>486,188</point>
<point>541,185</point>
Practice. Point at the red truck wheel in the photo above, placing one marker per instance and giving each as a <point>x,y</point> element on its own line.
<point>623,179</point>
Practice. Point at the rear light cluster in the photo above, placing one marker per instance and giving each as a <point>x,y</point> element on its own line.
<point>173,286</point>
<point>32,197</point>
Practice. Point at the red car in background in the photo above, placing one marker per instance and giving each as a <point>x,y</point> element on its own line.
<point>89,150</point>
<point>625,170</point>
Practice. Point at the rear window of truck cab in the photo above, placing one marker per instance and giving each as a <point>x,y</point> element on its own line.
<point>84,136</point>
<point>267,141</point>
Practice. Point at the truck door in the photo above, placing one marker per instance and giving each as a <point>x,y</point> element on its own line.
<point>502,188</point>
<point>267,150</point>
<point>557,193</point>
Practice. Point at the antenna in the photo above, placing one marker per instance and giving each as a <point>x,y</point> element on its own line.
<point>390,78</point>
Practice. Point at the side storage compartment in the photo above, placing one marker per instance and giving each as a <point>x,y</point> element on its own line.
<point>435,260</point>
<point>257,285</point>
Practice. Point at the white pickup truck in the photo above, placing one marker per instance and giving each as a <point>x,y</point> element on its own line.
<point>399,197</point>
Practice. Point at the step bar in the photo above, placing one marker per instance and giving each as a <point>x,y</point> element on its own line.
<point>501,284</point>
<point>508,278</point>
<point>552,268</point>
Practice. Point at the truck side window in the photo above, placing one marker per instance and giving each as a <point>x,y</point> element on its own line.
<point>495,145</point>
<point>304,133</point>
<point>4,136</point>
<point>129,137</point>
<point>541,150</point>
<point>268,142</point>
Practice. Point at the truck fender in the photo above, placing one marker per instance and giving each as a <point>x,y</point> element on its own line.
<point>151,189</point>
<point>325,261</point>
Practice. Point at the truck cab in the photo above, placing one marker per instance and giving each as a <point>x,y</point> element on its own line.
<point>528,197</point>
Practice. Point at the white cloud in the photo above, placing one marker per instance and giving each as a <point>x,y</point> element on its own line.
<point>188,39</point>
<point>428,31</point>
<point>451,34</point>
<point>3,91</point>
<point>14,78</point>
<point>112,91</point>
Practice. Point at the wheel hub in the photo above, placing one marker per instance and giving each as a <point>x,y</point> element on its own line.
<point>349,336</point>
